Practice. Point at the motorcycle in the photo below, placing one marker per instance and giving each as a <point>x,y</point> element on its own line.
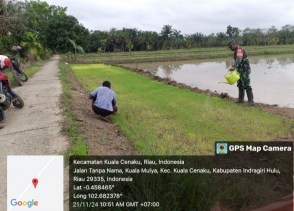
<point>18,75</point>
<point>7,97</point>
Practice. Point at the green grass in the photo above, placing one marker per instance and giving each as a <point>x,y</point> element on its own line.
<point>180,54</point>
<point>166,120</point>
<point>70,126</point>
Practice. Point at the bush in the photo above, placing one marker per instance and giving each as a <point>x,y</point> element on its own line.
<point>46,54</point>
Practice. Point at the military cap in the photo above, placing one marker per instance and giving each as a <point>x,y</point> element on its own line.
<point>230,43</point>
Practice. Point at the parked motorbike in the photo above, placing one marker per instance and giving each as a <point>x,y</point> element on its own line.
<point>7,97</point>
<point>18,75</point>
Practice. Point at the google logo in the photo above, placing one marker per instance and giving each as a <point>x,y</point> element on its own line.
<point>28,204</point>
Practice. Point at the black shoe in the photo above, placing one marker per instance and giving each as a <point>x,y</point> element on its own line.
<point>250,98</point>
<point>241,96</point>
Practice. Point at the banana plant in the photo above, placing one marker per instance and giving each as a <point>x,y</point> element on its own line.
<point>33,48</point>
<point>77,48</point>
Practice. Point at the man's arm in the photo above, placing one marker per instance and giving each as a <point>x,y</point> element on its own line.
<point>93,94</point>
<point>114,100</point>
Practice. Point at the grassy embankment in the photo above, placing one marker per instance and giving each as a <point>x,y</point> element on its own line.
<point>78,145</point>
<point>181,54</point>
<point>167,120</point>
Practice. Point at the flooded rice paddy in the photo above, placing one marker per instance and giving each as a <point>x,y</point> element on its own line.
<point>272,77</point>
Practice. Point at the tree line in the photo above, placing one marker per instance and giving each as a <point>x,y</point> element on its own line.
<point>133,39</point>
<point>42,29</point>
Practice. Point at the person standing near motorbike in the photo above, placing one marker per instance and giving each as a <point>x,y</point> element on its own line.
<point>18,75</point>
<point>15,50</point>
<point>15,64</point>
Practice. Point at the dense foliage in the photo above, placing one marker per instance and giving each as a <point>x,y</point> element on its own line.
<point>42,29</point>
<point>169,38</point>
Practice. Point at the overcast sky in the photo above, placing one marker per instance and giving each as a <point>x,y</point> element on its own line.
<point>188,16</point>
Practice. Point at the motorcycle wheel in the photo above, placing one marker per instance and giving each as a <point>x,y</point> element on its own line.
<point>24,77</point>
<point>18,103</point>
<point>2,118</point>
<point>17,78</point>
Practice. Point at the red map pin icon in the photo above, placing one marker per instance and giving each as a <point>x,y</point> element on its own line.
<point>35,182</point>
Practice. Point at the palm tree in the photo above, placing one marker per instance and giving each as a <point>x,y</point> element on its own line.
<point>105,41</point>
<point>210,40</point>
<point>178,38</point>
<point>221,38</point>
<point>165,32</point>
<point>145,39</point>
<point>134,35</point>
<point>112,37</point>
<point>129,45</point>
<point>255,40</point>
<point>141,39</point>
<point>122,36</point>
<point>276,40</point>
<point>198,39</point>
<point>188,41</point>
<point>156,40</point>
<point>120,39</point>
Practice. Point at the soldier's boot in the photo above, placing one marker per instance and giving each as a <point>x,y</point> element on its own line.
<point>250,98</point>
<point>241,96</point>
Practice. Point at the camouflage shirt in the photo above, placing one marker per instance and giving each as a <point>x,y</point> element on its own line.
<point>241,62</point>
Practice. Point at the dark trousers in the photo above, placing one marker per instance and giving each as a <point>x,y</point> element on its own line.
<point>103,112</point>
<point>244,81</point>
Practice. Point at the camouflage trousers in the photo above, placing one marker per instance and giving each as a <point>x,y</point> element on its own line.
<point>244,81</point>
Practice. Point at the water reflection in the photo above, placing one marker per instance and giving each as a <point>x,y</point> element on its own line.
<point>169,68</point>
<point>269,61</point>
<point>272,77</point>
<point>281,61</point>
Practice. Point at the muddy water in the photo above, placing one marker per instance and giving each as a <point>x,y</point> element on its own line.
<point>272,77</point>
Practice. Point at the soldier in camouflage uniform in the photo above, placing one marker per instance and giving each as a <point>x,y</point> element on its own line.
<point>242,65</point>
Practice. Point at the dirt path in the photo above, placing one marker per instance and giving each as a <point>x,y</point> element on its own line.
<point>34,129</point>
